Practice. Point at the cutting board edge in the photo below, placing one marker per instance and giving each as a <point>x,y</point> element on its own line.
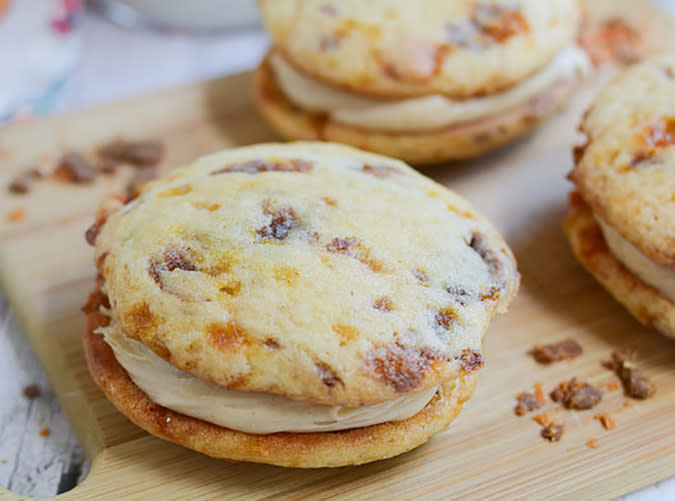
<point>66,388</point>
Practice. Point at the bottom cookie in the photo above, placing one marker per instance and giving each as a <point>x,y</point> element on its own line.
<point>301,450</point>
<point>588,244</point>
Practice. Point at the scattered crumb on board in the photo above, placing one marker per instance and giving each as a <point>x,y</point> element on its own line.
<point>31,391</point>
<point>79,168</point>
<point>606,420</point>
<point>16,215</point>
<point>635,384</point>
<point>566,349</point>
<point>577,395</point>
<point>553,432</point>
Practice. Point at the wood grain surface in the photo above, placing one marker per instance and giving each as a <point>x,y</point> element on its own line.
<point>26,446</point>
<point>46,271</point>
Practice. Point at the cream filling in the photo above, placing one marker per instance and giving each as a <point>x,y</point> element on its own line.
<point>245,411</point>
<point>424,113</point>
<point>654,274</point>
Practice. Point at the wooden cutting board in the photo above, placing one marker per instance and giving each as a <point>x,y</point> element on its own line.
<point>46,271</point>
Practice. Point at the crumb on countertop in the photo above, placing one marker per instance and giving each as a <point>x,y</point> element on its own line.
<point>527,402</point>
<point>539,393</point>
<point>22,182</point>
<point>577,395</point>
<point>80,168</point>
<point>566,349</point>
<point>107,165</point>
<point>73,167</point>
<point>553,432</point>
<point>16,215</point>
<point>606,420</point>
<point>635,385</point>
<point>31,391</point>
<point>544,419</point>
<point>45,432</point>
<point>137,153</point>
<point>592,443</point>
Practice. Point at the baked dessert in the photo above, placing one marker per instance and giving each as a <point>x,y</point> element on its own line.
<point>303,305</point>
<point>426,81</point>
<point>621,222</point>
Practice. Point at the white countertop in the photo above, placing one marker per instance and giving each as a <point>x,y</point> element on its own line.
<point>116,64</point>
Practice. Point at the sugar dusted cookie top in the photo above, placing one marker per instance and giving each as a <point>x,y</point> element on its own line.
<point>395,49</point>
<point>626,171</point>
<point>314,271</point>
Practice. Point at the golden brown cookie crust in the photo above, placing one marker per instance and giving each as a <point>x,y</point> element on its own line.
<point>588,244</point>
<point>395,49</point>
<point>626,169</point>
<point>299,450</point>
<point>457,142</point>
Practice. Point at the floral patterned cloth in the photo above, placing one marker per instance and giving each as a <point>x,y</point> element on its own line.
<point>39,45</point>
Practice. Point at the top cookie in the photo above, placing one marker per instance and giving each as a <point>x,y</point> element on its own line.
<point>626,171</point>
<point>314,271</point>
<point>396,49</point>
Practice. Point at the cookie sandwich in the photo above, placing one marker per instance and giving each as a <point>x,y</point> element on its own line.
<point>303,305</point>
<point>621,222</point>
<point>426,81</point>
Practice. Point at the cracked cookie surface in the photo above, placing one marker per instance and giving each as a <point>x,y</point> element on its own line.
<point>314,271</point>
